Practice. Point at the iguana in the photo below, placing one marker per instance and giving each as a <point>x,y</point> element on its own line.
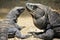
<point>9,27</point>
<point>44,18</point>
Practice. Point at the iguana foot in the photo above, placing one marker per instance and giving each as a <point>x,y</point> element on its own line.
<point>35,33</point>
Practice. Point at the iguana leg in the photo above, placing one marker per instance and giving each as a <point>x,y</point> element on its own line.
<point>19,35</point>
<point>48,35</point>
<point>36,33</point>
<point>11,32</point>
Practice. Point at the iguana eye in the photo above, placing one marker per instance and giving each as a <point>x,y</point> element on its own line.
<point>31,5</point>
<point>34,7</point>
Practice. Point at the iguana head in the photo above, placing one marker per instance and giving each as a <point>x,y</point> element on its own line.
<point>18,10</point>
<point>34,6</point>
<point>15,13</point>
<point>38,10</point>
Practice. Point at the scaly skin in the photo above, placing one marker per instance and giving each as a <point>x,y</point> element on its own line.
<point>9,27</point>
<point>44,18</point>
